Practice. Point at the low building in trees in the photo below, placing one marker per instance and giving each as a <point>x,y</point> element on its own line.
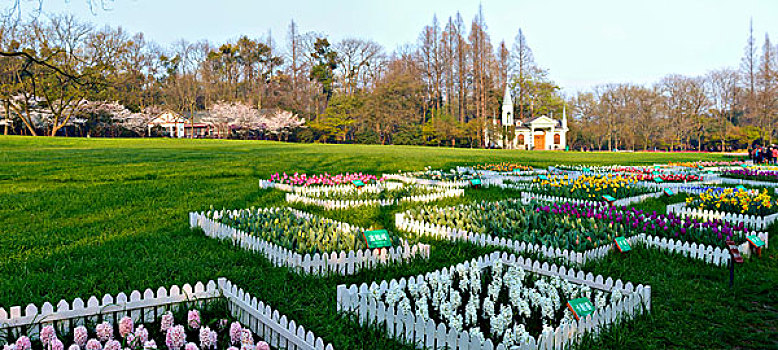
<point>537,133</point>
<point>172,124</point>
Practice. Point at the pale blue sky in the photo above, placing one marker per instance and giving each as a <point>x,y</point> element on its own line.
<point>582,43</point>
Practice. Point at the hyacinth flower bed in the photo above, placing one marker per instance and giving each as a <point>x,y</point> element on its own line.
<point>755,175</point>
<point>733,200</point>
<point>577,227</point>
<point>381,193</point>
<point>492,303</point>
<point>503,167</point>
<point>587,187</point>
<point>206,329</point>
<point>290,230</point>
<point>668,177</point>
<point>326,179</point>
<point>439,175</point>
<point>704,164</point>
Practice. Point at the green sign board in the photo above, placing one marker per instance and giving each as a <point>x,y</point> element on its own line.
<point>669,192</point>
<point>358,183</point>
<point>756,241</point>
<point>744,165</point>
<point>608,198</point>
<point>377,239</point>
<point>658,180</point>
<point>580,307</point>
<point>710,171</point>
<point>475,182</point>
<point>742,188</point>
<point>516,170</point>
<point>622,244</point>
<point>655,172</point>
<point>586,170</point>
<point>656,166</point>
<point>543,177</point>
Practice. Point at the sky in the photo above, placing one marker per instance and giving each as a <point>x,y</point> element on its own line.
<point>581,43</point>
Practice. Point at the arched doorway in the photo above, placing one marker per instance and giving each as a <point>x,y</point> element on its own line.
<point>540,141</point>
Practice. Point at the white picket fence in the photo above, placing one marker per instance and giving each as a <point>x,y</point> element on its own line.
<point>753,222</point>
<point>526,196</point>
<point>726,180</point>
<point>341,263</point>
<point>343,204</point>
<point>356,301</point>
<point>428,182</point>
<point>710,254</point>
<point>148,306</point>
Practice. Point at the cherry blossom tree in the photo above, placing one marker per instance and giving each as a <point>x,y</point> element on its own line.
<point>226,116</point>
<point>280,123</point>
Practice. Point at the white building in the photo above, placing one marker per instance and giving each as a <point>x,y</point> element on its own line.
<point>539,133</point>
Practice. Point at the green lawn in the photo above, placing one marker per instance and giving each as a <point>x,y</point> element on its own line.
<point>84,217</point>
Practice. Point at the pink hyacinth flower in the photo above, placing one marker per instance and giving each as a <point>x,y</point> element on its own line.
<point>80,336</point>
<point>235,330</point>
<point>175,337</point>
<point>167,321</point>
<point>261,345</point>
<point>141,334</point>
<point>150,345</point>
<point>74,347</point>
<point>191,346</point>
<point>126,326</point>
<point>93,344</point>
<point>47,335</point>
<point>246,337</point>
<point>23,343</point>
<point>112,345</point>
<point>205,338</point>
<point>104,332</point>
<point>193,319</point>
<point>56,344</point>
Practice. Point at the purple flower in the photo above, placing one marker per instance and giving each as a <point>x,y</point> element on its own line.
<point>113,345</point>
<point>235,330</point>
<point>205,338</point>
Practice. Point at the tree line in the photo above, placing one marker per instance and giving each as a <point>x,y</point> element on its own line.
<point>60,76</point>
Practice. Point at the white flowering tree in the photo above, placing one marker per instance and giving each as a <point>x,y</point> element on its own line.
<point>280,123</point>
<point>228,115</point>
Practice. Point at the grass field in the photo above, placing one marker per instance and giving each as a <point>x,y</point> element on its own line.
<point>82,217</point>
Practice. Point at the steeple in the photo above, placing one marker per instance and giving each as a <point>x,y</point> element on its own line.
<point>507,100</point>
<point>564,117</point>
<point>507,106</point>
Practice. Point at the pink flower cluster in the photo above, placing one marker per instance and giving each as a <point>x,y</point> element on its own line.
<point>324,179</point>
<point>138,338</point>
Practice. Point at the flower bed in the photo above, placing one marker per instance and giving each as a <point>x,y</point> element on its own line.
<point>576,232</point>
<point>503,167</point>
<point>588,187</point>
<point>145,321</point>
<point>704,164</point>
<point>305,180</point>
<point>732,200</point>
<point>754,175</point>
<point>303,242</point>
<point>495,301</point>
<point>668,177</point>
<point>372,195</point>
<point>731,206</point>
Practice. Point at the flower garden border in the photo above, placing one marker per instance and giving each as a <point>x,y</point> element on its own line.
<point>263,320</point>
<point>751,221</point>
<point>354,299</point>
<point>342,204</point>
<point>342,262</point>
<point>707,253</point>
